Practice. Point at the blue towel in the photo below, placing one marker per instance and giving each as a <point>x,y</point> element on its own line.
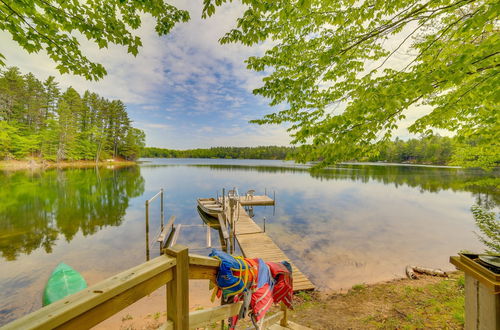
<point>264,276</point>
<point>229,283</point>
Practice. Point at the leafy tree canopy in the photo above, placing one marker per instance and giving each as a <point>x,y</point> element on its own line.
<point>330,66</point>
<point>53,25</point>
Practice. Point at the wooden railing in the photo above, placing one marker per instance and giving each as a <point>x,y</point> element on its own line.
<point>162,217</point>
<point>93,305</point>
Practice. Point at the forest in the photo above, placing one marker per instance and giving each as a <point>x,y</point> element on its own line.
<point>435,150</point>
<point>39,120</point>
<point>262,152</point>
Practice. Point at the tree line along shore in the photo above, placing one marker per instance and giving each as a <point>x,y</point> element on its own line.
<point>434,150</point>
<point>40,121</point>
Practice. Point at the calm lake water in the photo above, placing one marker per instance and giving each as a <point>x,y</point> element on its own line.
<point>341,226</point>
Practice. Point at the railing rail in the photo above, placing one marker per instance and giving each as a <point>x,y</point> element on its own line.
<point>162,217</point>
<point>95,304</point>
<point>155,196</point>
<point>98,302</point>
<point>149,201</point>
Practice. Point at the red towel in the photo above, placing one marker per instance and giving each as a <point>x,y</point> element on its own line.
<point>283,286</point>
<point>262,299</point>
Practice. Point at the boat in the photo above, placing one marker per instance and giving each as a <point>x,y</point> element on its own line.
<point>210,206</point>
<point>63,282</point>
<point>218,224</point>
<point>208,219</point>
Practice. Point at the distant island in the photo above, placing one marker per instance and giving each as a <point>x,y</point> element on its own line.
<point>434,150</point>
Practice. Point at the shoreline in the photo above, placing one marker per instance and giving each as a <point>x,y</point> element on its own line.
<point>311,164</point>
<point>374,305</point>
<point>14,165</point>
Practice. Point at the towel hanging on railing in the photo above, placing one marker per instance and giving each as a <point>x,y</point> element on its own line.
<point>259,284</point>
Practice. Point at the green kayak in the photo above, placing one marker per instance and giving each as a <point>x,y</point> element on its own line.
<point>63,281</point>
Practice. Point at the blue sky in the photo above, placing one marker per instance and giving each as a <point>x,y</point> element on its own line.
<point>184,90</point>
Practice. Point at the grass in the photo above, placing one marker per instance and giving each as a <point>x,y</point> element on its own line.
<point>304,295</point>
<point>436,305</point>
<point>304,300</point>
<point>426,303</point>
<point>359,287</point>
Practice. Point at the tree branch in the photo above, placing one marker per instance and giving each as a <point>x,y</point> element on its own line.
<point>401,44</point>
<point>433,42</point>
<point>33,28</point>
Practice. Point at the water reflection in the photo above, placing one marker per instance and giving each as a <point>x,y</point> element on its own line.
<point>432,179</point>
<point>489,227</point>
<point>37,207</point>
<point>358,223</point>
<point>341,226</point>
<point>214,224</point>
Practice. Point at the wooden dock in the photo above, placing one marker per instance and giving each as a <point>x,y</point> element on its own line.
<point>256,201</point>
<point>255,243</point>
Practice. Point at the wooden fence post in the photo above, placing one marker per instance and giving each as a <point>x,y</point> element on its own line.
<point>284,320</point>
<point>162,213</point>
<point>178,289</point>
<point>147,230</point>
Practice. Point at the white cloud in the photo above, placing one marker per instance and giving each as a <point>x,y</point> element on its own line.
<point>193,68</point>
<point>234,135</point>
<point>152,125</point>
<point>196,63</point>
<point>189,60</point>
<point>150,107</point>
<point>132,79</point>
<point>206,129</point>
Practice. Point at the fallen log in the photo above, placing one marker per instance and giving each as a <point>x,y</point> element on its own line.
<point>430,271</point>
<point>410,273</point>
<point>412,270</point>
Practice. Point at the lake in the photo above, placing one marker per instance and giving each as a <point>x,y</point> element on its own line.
<point>342,226</point>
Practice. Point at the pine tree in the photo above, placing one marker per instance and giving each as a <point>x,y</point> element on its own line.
<point>69,109</point>
<point>37,121</point>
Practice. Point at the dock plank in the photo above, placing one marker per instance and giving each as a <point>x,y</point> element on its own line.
<point>245,224</point>
<point>254,243</point>
<point>254,201</point>
<point>223,228</point>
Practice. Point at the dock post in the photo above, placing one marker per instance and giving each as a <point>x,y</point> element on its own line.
<point>236,205</point>
<point>147,230</point>
<point>162,219</point>
<point>231,222</point>
<point>274,202</point>
<point>284,320</point>
<point>223,200</point>
<point>178,289</point>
